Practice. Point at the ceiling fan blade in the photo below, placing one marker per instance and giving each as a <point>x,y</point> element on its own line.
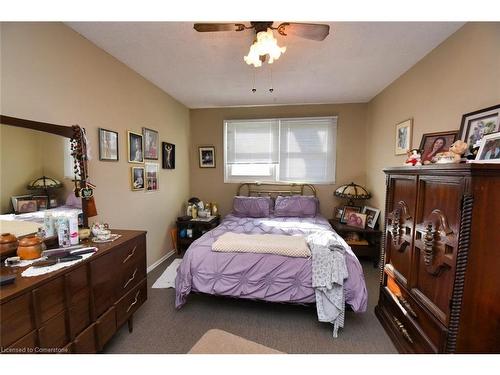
<point>314,31</point>
<point>209,27</point>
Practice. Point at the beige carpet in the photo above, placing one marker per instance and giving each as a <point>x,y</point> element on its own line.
<point>216,341</point>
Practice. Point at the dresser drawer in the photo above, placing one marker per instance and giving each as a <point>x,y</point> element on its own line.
<point>131,274</point>
<point>79,313</point>
<point>53,335</point>
<point>409,337</point>
<point>103,273</point>
<point>27,344</point>
<point>130,251</point>
<point>17,319</point>
<point>84,343</point>
<point>105,327</point>
<point>131,302</point>
<point>48,300</point>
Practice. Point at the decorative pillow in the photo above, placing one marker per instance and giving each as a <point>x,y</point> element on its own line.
<point>251,206</point>
<point>296,205</point>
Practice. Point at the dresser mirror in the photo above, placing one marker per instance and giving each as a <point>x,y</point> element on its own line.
<point>37,173</point>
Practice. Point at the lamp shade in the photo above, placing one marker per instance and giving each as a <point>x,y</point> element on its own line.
<point>44,183</point>
<point>352,191</point>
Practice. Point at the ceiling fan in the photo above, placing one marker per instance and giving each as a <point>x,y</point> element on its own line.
<point>265,44</point>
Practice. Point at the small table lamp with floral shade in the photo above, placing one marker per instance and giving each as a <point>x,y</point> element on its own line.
<point>352,192</point>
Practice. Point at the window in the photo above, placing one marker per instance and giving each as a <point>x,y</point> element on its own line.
<point>280,150</point>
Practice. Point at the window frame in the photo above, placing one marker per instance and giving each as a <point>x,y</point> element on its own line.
<point>274,177</point>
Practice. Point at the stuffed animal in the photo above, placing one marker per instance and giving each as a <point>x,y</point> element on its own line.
<point>414,157</point>
<point>454,155</point>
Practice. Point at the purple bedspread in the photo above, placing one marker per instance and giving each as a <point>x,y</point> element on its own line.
<point>266,277</point>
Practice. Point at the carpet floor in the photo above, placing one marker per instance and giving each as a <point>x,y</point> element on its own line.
<point>160,328</point>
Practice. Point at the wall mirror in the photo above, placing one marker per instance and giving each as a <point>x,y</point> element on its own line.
<point>38,175</point>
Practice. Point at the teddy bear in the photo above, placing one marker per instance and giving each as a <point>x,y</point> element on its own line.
<point>453,155</point>
<point>414,157</point>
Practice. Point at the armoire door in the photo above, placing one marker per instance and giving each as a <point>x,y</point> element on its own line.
<point>436,242</point>
<point>400,211</point>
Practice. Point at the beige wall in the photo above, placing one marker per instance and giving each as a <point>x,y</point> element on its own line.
<point>207,129</point>
<point>52,74</point>
<point>459,76</point>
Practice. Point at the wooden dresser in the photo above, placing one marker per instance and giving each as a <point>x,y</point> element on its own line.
<point>440,276</point>
<point>76,309</point>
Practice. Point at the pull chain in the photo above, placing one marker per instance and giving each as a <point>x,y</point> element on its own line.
<point>271,89</point>
<point>253,87</point>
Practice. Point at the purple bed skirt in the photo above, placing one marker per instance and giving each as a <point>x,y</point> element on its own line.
<point>265,277</point>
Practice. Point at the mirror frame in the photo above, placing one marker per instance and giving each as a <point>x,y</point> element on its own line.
<point>64,131</point>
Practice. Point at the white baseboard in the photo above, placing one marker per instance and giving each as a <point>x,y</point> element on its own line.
<point>160,261</point>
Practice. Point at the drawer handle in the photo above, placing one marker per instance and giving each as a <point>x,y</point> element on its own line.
<point>407,306</point>
<point>135,300</point>
<point>403,330</point>
<point>131,278</point>
<point>130,255</point>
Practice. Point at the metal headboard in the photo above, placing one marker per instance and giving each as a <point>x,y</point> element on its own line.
<point>270,188</point>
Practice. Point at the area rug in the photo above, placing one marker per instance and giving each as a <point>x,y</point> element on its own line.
<point>167,278</point>
<point>216,341</point>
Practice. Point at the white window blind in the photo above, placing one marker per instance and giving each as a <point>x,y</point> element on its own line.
<point>287,150</point>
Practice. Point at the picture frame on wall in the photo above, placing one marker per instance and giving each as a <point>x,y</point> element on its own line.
<point>434,143</point>
<point>207,156</point>
<point>137,178</point>
<point>135,147</point>
<point>372,215</point>
<point>475,125</point>
<point>346,211</point>
<point>489,151</point>
<point>151,171</point>
<point>108,145</point>
<point>151,143</point>
<point>403,137</point>
<point>168,155</point>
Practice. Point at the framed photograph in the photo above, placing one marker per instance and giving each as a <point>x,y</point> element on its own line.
<point>372,215</point>
<point>108,145</point>
<point>150,143</point>
<point>207,156</point>
<point>42,201</point>
<point>15,199</point>
<point>137,178</point>
<point>152,172</point>
<point>475,125</point>
<point>25,206</point>
<point>357,220</point>
<point>168,155</point>
<point>135,148</point>
<point>489,152</point>
<point>403,137</point>
<point>346,211</point>
<point>433,143</point>
<point>337,213</point>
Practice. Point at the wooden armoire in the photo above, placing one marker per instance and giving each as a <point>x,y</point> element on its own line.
<point>440,263</point>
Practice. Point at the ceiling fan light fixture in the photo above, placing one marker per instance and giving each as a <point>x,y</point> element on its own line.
<point>265,44</point>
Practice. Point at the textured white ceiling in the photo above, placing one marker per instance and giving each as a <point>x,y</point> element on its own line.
<point>353,64</point>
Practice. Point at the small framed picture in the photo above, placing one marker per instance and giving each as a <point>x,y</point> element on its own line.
<point>356,219</point>
<point>151,170</point>
<point>434,143</point>
<point>372,215</point>
<point>403,137</point>
<point>150,143</point>
<point>42,201</point>
<point>489,152</point>
<point>108,145</point>
<point>135,148</point>
<point>346,211</point>
<point>475,125</point>
<point>337,213</point>
<point>137,178</point>
<point>25,206</point>
<point>15,199</point>
<point>168,155</point>
<point>207,156</point>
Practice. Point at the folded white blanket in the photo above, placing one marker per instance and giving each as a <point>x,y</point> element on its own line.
<point>278,244</point>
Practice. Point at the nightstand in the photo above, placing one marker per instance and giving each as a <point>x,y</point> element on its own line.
<point>197,227</point>
<point>369,244</point>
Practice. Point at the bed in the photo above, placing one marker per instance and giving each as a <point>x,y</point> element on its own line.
<point>266,277</point>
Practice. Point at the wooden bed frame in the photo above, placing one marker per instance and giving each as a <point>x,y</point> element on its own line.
<point>273,189</point>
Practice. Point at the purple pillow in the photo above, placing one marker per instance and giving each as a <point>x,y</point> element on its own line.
<point>296,205</point>
<point>251,206</point>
